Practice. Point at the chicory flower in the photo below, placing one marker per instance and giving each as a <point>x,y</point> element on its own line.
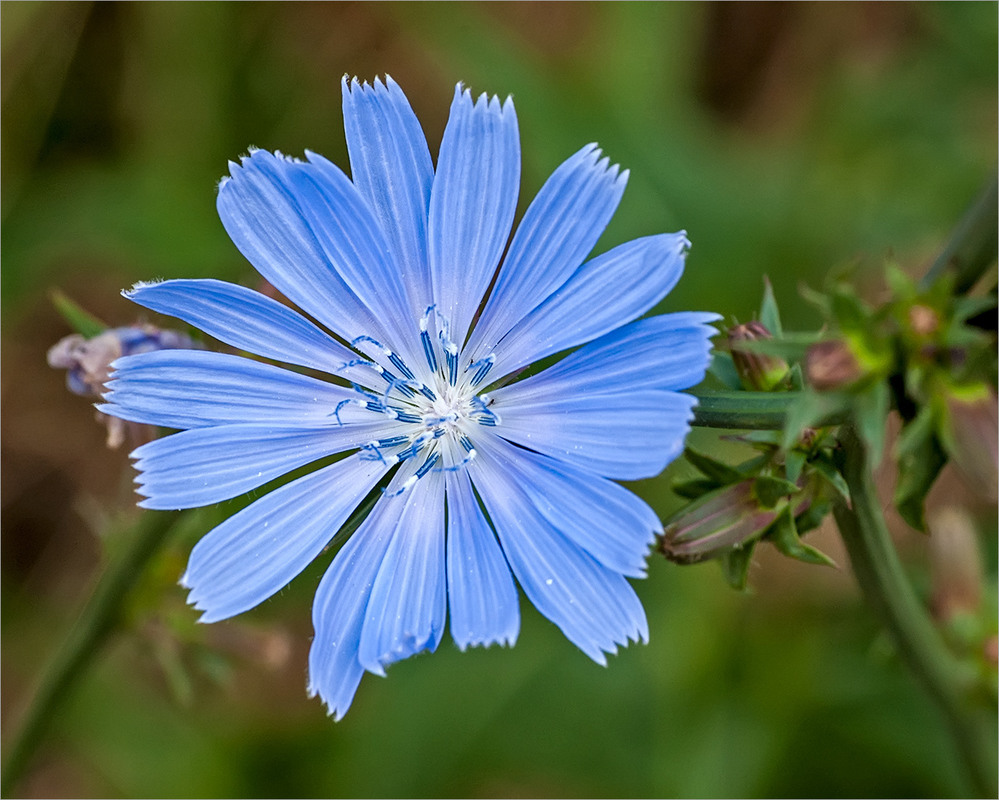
<point>484,477</point>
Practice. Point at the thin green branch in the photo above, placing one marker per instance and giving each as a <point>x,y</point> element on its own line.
<point>84,641</point>
<point>766,411</point>
<point>887,590</point>
<point>971,248</point>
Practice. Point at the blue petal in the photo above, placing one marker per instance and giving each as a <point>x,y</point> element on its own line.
<point>257,551</point>
<point>605,293</point>
<point>195,389</point>
<point>612,524</point>
<point>472,204</point>
<point>595,607</point>
<point>670,351</point>
<point>559,229</point>
<point>408,603</point>
<point>278,213</point>
<point>609,407</point>
<point>245,319</point>
<point>481,594</point>
<point>202,466</point>
<point>339,609</point>
<point>627,436</point>
<point>391,167</point>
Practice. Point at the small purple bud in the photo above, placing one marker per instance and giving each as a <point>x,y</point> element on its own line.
<point>831,365</point>
<point>719,521</point>
<point>758,372</point>
<point>969,432</point>
<point>955,562</point>
<point>88,361</point>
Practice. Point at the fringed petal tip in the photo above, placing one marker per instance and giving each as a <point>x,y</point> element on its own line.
<point>466,643</point>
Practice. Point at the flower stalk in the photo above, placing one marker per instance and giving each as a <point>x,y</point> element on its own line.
<point>85,639</point>
<point>887,590</point>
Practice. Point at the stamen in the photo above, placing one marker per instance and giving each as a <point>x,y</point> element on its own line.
<point>428,465</point>
<point>428,345</point>
<point>466,443</point>
<point>428,350</point>
<point>373,453</point>
<point>482,414</point>
<point>461,464</point>
<point>392,441</point>
<point>450,349</point>
<point>404,416</point>
<point>484,365</point>
<point>401,365</point>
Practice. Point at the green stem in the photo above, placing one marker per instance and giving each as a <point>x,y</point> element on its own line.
<point>84,641</point>
<point>972,245</point>
<point>766,411</point>
<point>886,588</point>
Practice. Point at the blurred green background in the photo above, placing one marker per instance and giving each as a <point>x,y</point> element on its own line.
<point>787,139</point>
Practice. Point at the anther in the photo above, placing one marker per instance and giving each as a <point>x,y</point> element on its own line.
<point>428,465</point>
<point>484,365</point>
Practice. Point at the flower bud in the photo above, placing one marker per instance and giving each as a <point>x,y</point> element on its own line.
<point>757,371</point>
<point>956,563</point>
<point>970,435</point>
<point>718,521</point>
<point>831,365</point>
<point>88,361</point>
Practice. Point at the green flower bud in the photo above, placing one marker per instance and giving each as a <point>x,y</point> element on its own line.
<point>717,522</point>
<point>757,371</point>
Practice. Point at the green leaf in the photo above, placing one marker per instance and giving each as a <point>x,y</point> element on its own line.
<point>812,517</point>
<point>769,313</point>
<point>770,490</point>
<point>713,469</point>
<point>735,565</point>
<point>967,307</point>
<point>825,467</point>
<point>812,409</point>
<point>723,368</point>
<point>794,463</point>
<point>784,535</point>
<point>693,489</point>
<point>80,320</point>
<point>849,311</point>
<point>918,467</point>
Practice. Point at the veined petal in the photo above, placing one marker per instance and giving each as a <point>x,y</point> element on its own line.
<point>613,525</point>
<point>408,603</point>
<point>595,607</point>
<point>257,551</point>
<point>481,594</point>
<point>669,351</point>
<point>202,466</point>
<point>245,319</point>
<point>605,293</point>
<point>559,229</point>
<point>627,435</point>
<point>472,204</point>
<point>338,612</point>
<point>274,227</point>
<point>197,388</point>
<point>391,167</point>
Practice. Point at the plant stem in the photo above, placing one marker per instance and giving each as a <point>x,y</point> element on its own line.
<point>765,411</point>
<point>972,245</point>
<point>886,588</point>
<point>84,640</point>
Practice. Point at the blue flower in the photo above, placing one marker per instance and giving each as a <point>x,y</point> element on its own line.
<point>484,477</point>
